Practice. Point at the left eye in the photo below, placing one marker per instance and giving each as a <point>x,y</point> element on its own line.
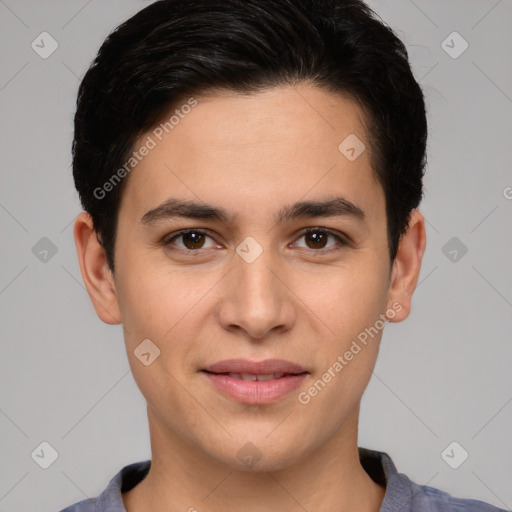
<point>316,239</point>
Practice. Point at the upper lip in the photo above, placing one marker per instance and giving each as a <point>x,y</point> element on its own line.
<point>265,367</point>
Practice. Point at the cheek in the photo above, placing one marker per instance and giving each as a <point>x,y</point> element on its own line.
<point>154,301</point>
<point>347,358</point>
<point>347,298</point>
<point>160,307</point>
<point>170,308</point>
<point>349,302</point>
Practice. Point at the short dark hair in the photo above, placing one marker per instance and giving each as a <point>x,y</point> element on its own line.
<point>174,49</point>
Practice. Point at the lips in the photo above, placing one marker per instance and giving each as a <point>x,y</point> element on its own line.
<point>255,382</point>
<point>253,376</point>
<point>266,367</point>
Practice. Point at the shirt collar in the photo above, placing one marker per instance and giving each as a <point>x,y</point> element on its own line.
<point>377,464</point>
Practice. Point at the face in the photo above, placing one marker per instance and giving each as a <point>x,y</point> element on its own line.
<point>252,251</point>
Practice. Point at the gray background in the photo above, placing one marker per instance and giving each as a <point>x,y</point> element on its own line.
<point>443,374</point>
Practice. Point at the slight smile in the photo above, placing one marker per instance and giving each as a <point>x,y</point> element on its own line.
<point>255,382</point>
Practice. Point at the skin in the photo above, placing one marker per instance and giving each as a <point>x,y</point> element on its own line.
<point>253,155</point>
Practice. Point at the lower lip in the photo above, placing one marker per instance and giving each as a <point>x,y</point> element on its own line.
<point>253,391</point>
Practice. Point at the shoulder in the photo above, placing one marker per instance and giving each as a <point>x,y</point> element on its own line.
<point>110,500</point>
<point>430,499</point>
<point>404,495</point>
<point>88,505</point>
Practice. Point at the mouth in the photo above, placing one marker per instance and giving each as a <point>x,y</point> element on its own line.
<point>255,382</point>
<point>254,376</point>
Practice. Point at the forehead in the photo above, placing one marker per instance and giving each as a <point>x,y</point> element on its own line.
<point>255,151</point>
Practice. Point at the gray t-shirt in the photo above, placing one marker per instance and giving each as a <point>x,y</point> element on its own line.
<point>402,495</point>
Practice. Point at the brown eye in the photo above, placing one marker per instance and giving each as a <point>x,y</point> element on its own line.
<point>316,239</point>
<point>193,240</point>
<point>190,240</point>
<point>321,240</point>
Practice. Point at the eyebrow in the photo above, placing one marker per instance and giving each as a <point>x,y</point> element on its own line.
<point>171,208</point>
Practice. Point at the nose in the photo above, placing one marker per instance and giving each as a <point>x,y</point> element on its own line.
<point>255,299</point>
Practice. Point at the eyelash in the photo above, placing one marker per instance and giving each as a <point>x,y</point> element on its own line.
<point>341,239</point>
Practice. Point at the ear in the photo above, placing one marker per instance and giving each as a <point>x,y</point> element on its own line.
<point>96,274</point>
<point>406,267</point>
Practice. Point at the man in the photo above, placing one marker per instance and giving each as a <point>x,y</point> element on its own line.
<point>250,174</point>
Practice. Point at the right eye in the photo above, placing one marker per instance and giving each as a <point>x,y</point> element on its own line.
<point>190,240</point>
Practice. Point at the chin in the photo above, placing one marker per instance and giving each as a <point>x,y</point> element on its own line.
<point>258,456</point>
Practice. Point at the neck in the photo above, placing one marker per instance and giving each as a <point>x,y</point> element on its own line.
<point>182,478</point>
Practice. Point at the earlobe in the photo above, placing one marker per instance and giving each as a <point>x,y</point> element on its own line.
<point>406,267</point>
<point>96,274</point>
